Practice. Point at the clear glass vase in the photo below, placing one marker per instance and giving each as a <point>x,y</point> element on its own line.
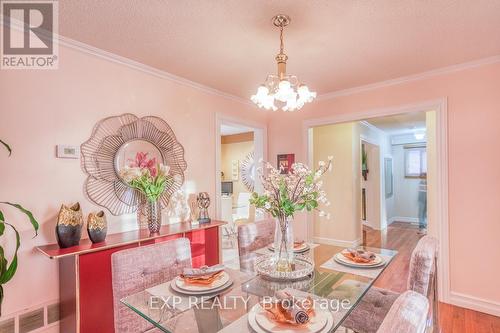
<point>283,245</point>
<point>149,213</point>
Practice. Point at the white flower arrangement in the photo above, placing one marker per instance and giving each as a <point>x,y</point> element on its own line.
<point>299,190</point>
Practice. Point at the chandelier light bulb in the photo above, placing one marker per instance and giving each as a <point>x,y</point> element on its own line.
<point>282,90</point>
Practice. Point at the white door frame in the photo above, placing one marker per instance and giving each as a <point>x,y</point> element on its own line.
<point>260,150</point>
<point>440,106</point>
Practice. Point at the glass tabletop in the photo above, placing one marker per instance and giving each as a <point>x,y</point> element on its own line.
<point>339,288</point>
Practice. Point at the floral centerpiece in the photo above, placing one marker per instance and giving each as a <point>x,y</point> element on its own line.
<point>286,194</point>
<point>151,179</point>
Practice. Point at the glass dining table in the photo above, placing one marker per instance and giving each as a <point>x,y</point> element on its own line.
<point>337,286</point>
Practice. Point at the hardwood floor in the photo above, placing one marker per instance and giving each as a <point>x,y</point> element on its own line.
<point>403,237</point>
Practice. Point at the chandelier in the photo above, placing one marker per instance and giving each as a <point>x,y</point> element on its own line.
<point>282,90</point>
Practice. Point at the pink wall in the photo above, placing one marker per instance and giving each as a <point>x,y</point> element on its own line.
<point>40,109</point>
<point>474,180</point>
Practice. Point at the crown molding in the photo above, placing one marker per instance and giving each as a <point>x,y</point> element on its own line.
<point>88,49</point>
<point>372,127</point>
<point>410,78</point>
<point>100,53</point>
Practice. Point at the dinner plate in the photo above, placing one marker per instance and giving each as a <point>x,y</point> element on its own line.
<point>260,323</point>
<point>220,281</point>
<point>303,248</point>
<point>379,261</point>
<point>202,292</point>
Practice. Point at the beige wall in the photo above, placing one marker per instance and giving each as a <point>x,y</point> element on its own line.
<point>235,151</point>
<point>341,185</point>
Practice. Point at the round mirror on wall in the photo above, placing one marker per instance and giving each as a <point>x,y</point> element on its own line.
<point>136,152</point>
<point>248,172</point>
<point>123,141</point>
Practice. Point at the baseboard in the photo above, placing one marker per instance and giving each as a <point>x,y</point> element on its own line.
<point>475,303</point>
<point>337,242</point>
<point>402,219</point>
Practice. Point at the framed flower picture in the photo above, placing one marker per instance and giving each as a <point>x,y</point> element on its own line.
<point>285,162</point>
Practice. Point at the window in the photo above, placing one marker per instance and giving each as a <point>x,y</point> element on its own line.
<point>415,162</point>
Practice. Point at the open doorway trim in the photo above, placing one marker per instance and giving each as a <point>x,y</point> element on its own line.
<point>260,149</point>
<point>440,106</point>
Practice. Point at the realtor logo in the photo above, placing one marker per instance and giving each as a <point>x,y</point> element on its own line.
<point>27,34</point>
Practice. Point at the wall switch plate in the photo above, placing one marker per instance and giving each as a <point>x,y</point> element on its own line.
<point>65,151</point>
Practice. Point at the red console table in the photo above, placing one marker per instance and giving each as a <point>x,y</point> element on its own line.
<point>86,295</point>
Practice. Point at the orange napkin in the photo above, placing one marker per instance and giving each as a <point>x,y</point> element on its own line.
<point>202,279</point>
<point>298,244</point>
<point>359,256</point>
<point>288,310</point>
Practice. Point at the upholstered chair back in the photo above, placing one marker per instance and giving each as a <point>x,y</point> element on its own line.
<point>136,269</point>
<point>253,236</point>
<point>422,266</point>
<point>408,314</point>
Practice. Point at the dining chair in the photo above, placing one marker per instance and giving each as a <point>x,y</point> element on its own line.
<point>367,316</point>
<point>242,209</point>
<point>408,314</point>
<point>138,268</point>
<point>251,237</point>
<point>256,235</point>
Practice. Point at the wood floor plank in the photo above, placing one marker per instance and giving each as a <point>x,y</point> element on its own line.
<point>403,237</point>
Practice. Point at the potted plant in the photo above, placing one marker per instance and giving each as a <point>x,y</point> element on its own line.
<point>8,270</point>
<point>286,194</point>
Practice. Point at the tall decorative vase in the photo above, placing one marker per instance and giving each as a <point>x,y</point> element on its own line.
<point>283,245</point>
<point>152,211</point>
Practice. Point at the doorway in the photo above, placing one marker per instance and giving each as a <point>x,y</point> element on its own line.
<point>437,177</point>
<point>239,147</point>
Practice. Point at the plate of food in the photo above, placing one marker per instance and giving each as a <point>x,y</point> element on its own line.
<point>359,258</point>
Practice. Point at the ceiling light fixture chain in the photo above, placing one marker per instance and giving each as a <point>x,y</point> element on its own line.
<point>282,89</point>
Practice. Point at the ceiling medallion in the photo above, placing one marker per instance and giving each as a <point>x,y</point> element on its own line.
<point>282,90</point>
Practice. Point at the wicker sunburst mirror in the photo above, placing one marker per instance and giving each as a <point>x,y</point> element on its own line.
<point>116,140</point>
<point>248,172</point>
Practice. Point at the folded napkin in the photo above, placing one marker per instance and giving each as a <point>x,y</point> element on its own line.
<point>290,309</point>
<point>359,256</point>
<point>298,244</point>
<point>202,271</point>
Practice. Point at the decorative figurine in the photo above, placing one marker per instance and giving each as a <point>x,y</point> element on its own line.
<point>203,204</point>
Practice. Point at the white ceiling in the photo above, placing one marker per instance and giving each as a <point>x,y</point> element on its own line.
<point>401,123</point>
<point>230,45</point>
<point>233,129</point>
